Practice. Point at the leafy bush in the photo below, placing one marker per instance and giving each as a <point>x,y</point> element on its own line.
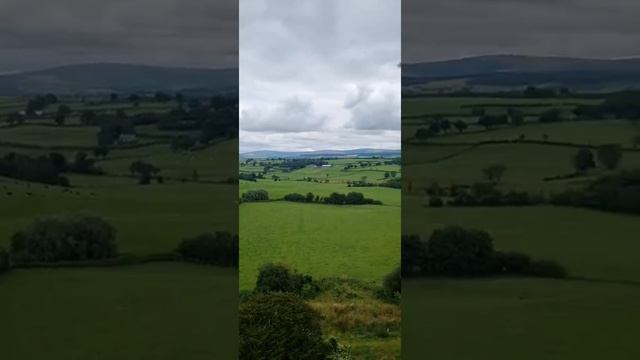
<point>391,287</point>
<point>5,262</point>
<point>71,238</point>
<point>279,278</point>
<point>280,326</point>
<point>295,197</point>
<point>455,251</point>
<point>220,248</point>
<point>255,195</point>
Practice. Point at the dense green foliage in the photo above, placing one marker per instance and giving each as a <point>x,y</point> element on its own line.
<point>70,238</point>
<point>219,248</point>
<point>255,195</point>
<point>458,252</point>
<point>280,326</point>
<point>279,278</point>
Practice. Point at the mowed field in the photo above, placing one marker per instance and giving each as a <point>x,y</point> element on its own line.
<point>592,315</point>
<point>152,311</point>
<point>353,241</point>
<point>156,311</point>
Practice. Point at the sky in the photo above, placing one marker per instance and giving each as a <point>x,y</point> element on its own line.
<point>318,75</point>
<point>439,30</point>
<point>36,34</point>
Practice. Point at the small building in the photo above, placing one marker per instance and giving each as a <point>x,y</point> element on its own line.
<point>327,165</point>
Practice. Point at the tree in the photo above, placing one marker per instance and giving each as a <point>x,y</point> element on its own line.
<point>280,326</point>
<point>494,173</point>
<point>70,238</point>
<point>220,249</point>
<point>609,155</point>
<point>445,125</point>
<point>583,160</point>
<point>455,251</point>
<point>460,125</point>
<point>61,114</point>
<point>88,117</point>
<point>195,176</point>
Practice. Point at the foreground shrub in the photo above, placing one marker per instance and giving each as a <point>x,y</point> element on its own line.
<point>280,326</point>
<point>391,287</point>
<point>70,238</point>
<point>279,278</point>
<point>220,248</point>
<point>5,262</point>
<point>255,195</point>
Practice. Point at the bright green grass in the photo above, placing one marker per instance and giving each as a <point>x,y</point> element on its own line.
<point>589,243</point>
<point>524,319</point>
<point>159,311</point>
<point>148,219</point>
<point>360,242</point>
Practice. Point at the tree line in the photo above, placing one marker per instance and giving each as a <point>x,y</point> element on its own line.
<point>458,252</point>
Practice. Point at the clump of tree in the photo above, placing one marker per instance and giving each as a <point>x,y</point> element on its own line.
<point>61,114</point>
<point>42,169</point>
<point>64,238</point>
<point>618,193</point>
<point>250,176</point>
<point>458,252</point>
<point>352,198</point>
<point>255,195</point>
<point>487,194</point>
<point>491,121</point>
<point>39,102</point>
<point>144,171</point>
<point>295,197</point>
<point>83,164</point>
<point>281,326</point>
<point>219,248</point>
<point>551,116</point>
<point>280,278</point>
<point>621,105</point>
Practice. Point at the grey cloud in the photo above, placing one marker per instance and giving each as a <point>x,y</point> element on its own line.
<point>581,28</point>
<point>293,115</point>
<point>43,33</point>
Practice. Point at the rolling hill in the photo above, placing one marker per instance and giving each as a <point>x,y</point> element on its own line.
<point>112,77</point>
<point>519,70</point>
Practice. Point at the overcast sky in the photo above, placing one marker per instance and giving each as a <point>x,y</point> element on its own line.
<point>319,74</point>
<point>436,30</point>
<point>37,34</point>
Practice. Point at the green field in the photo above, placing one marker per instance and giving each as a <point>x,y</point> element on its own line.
<point>592,315</point>
<point>156,311</point>
<point>151,311</point>
<point>351,242</point>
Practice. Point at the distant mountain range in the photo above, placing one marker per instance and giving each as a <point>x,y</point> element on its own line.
<point>517,70</point>
<point>122,78</point>
<point>268,154</point>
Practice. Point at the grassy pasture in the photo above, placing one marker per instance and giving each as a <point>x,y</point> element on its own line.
<point>525,319</point>
<point>160,311</point>
<point>359,242</point>
<point>521,318</point>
